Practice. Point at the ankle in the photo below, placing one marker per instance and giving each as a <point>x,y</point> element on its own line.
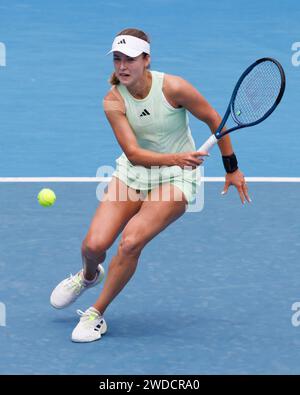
<point>100,310</point>
<point>89,277</point>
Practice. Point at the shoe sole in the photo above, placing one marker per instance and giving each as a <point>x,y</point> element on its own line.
<point>89,341</point>
<point>61,307</point>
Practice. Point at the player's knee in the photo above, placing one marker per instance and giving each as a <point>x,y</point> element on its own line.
<point>130,245</point>
<point>94,248</point>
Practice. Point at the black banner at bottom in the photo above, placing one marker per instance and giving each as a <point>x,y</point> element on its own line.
<point>134,383</point>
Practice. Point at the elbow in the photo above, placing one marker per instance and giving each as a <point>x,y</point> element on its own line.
<point>133,161</point>
<point>213,119</point>
<point>133,156</point>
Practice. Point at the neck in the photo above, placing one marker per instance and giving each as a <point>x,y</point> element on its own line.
<point>142,87</point>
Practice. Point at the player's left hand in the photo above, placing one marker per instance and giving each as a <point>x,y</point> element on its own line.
<point>238,180</point>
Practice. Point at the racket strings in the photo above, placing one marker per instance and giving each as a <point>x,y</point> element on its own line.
<point>257,93</point>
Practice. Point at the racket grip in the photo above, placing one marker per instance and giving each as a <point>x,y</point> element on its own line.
<point>209,143</point>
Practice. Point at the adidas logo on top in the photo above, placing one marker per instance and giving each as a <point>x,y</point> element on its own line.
<point>122,41</point>
<point>144,113</point>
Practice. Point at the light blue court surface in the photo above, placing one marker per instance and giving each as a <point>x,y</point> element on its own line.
<point>214,292</point>
<point>191,308</point>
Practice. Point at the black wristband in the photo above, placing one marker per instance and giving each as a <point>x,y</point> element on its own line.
<point>230,163</point>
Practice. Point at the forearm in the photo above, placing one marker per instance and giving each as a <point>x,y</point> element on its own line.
<point>224,143</point>
<point>225,146</point>
<point>228,157</point>
<point>146,158</point>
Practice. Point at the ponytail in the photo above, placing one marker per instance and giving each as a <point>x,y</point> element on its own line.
<point>114,80</point>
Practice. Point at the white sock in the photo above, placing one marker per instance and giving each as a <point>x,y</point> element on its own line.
<point>92,309</point>
<point>87,282</point>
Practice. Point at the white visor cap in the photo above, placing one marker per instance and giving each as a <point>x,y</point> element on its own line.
<point>130,46</point>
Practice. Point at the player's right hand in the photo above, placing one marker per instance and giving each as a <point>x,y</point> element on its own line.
<point>190,159</point>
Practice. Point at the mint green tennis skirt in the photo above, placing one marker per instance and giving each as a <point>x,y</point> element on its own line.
<point>144,180</point>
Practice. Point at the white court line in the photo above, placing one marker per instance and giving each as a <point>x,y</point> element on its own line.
<point>256,179</point>
<point>107,179</point>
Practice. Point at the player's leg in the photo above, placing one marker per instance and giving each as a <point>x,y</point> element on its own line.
<point>118,205</point>
<point>110,218</point>
<point>154,216</point>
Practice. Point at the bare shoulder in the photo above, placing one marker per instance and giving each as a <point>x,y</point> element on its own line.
<point>113,104</point>
<point>173,83</point>
<point>113,94</point>
<point>110,96</point>
<point>173,87</point>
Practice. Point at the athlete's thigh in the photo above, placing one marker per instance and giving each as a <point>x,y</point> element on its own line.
<point>155,214</point>
<point>118,205</point>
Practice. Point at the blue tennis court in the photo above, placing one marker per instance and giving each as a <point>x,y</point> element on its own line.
<point>213,293</point>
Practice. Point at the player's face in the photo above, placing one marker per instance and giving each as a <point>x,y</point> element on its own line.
<point>129,70</point>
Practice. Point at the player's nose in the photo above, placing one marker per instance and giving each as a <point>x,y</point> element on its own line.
<point>123,64</point>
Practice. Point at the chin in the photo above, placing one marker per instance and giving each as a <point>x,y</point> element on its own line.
<point>124,80</point>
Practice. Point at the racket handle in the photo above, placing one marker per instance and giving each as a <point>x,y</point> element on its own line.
<point>209,143</point>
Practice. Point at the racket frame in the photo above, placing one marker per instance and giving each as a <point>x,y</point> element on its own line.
<point>219,133</point>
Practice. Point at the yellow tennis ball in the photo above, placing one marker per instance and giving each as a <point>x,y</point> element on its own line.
<point>46,197</point>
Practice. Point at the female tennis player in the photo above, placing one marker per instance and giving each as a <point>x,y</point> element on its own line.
<point>157,174</point>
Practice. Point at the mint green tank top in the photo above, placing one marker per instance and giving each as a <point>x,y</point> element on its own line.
<point>158,127</point>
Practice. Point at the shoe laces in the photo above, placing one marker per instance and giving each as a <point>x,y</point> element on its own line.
<point>88,316</point>
<point>75,282</point>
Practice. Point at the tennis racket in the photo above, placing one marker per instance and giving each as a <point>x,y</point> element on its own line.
<point>256,95</point>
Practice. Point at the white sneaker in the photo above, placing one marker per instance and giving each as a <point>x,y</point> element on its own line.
<point>90,327</point>
<point>68,290</point>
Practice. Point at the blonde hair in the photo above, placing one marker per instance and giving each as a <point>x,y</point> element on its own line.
<point>135,33</point>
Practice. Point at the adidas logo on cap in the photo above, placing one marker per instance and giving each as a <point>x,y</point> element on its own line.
<point>122,41</point>
<point>144,113</point>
